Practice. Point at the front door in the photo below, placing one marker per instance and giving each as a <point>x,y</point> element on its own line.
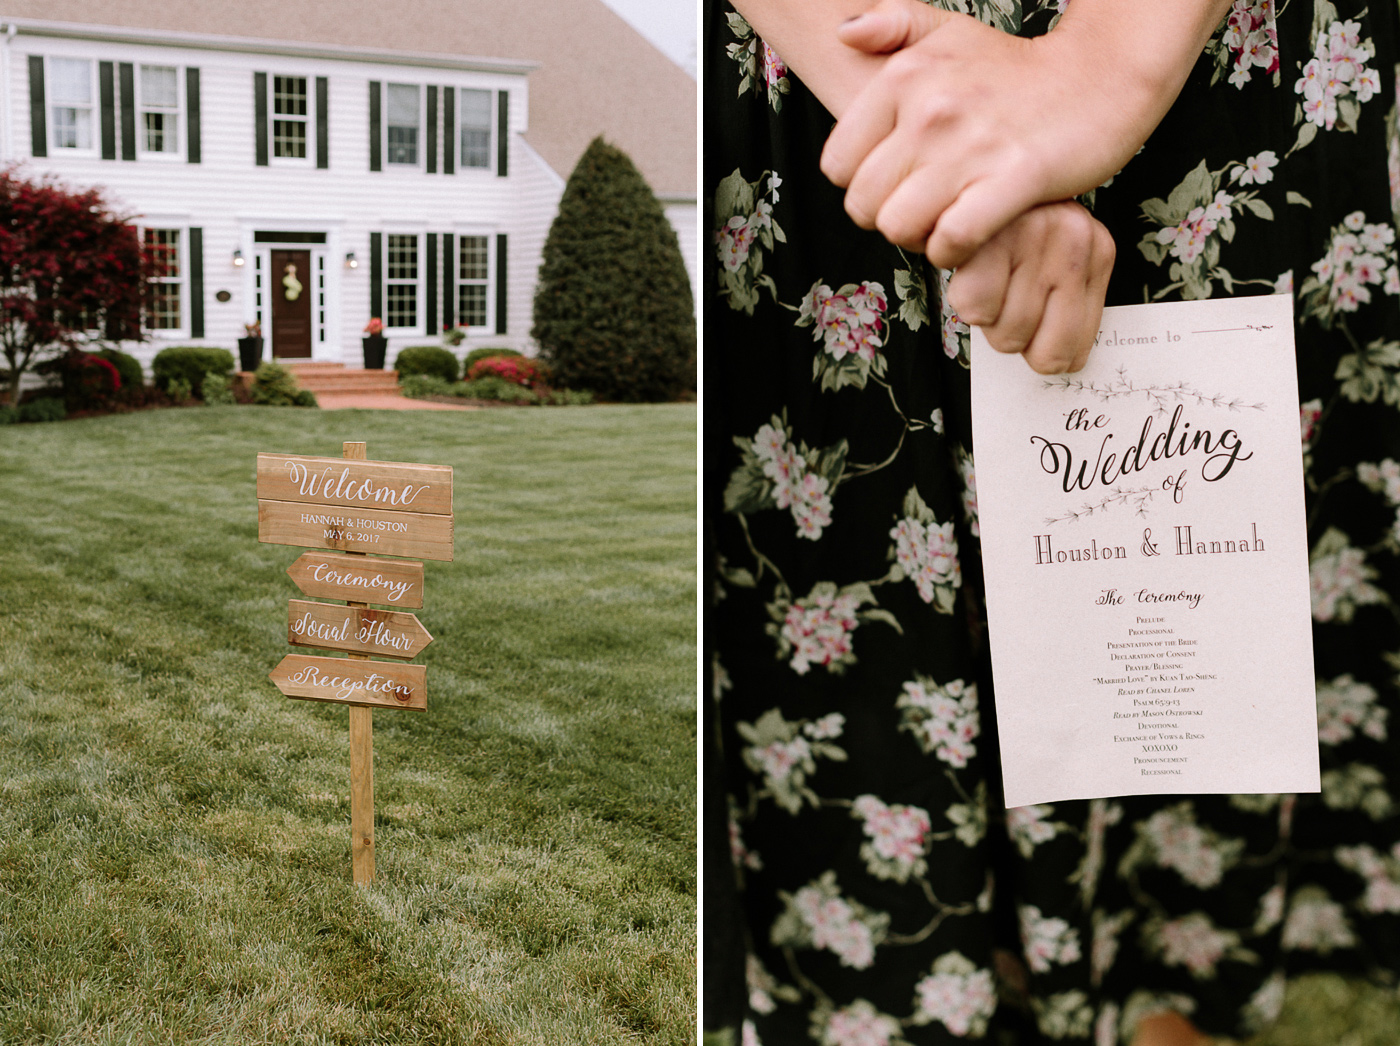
<point>291,304</point>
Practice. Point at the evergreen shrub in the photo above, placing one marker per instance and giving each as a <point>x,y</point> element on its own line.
<point>613,307</point>
<point>421,386</point>
<point>275,386</point>
<point>189,363</point>
<point>218,392</point>
<point>128,366</point>
<point>427,359</point>
<point>8,415</point>
<point>47,409</point>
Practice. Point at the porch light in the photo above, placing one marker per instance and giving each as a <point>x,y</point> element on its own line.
<point>350,262</point>
<point>238,259</point>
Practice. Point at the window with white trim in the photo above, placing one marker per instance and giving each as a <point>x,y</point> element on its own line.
<point>71,92</point>
<point>402,124</point>
<point>401,281</point>
<point>291,119</point>
<point>476,128</point>
<point>166,279</point>
<point>473,280</point>
<point>159,99</point>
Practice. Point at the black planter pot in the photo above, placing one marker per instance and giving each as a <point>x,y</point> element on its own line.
<point>374,345</point>
<point>250,351</point>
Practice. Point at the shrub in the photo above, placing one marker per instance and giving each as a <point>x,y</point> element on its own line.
<point>306,398</point>
<point>46,409</point>
<point>179,390</point>
<point>519,370</point>
<point>484,354</point>
<point>494,388</point>
<point>275,386</point>
<point>8,415</point>
<point>129,367</point>
<point>613,307</point>
<point>217,391</point>
<point>190,363</point>
<point>568,397</point>
<point>88,381</point>
<point>421,386</point>
<point>453,336</point>
<point>426,359</point>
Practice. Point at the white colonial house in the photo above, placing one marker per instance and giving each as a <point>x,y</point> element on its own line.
<point>305,186</point>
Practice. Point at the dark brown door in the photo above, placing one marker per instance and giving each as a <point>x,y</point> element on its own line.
<point>291,304</point>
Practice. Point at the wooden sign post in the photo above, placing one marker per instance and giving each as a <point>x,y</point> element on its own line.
<point>388,508</point>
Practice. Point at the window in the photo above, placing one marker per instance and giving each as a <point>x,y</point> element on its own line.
<point>473,278</point>
<point>160,109</point>
<point>403,123</point>
<point>163,247</point>
<point>70,87</point>
<point>476,128</point>
<point>289,117</point>
<point>401,281</point>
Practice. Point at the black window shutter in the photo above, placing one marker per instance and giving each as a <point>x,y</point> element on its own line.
<point>502,134</point>
<point>449,295</point>
<point>432,129</point>
<point>323,123</point>
<point>38,125</point>
<point>260,119</point>
<point>431,327</point>
<point>501,281</point>
<point>192,120</point>
<point>196,283</point>
<point>376,275</point>
<point>449,128</point>
<point>107,99</point>
<point>127,75</point>
<point>374,143</point>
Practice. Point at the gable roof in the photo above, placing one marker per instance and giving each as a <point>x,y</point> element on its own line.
<point>597,75</point>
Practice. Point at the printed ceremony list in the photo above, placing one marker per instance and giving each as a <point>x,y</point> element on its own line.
<point>1146,558</point>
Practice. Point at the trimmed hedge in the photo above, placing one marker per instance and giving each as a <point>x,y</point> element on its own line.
<point>129,367</point>
<point>189,363</point>
<point>275,386</point>
<point>477,355</point>
<point>426,359</point>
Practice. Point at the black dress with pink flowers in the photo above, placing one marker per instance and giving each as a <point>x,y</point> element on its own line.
<point>885,896</point>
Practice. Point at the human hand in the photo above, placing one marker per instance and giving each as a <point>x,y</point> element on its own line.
<point>1037,287</point>
<point>965,127</point>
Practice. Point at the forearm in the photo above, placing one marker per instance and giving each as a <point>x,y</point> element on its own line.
<point>803,32</point>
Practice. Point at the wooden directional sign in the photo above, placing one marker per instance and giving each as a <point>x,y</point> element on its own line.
<point>368,684</point>
<point>355,529</point>
<point>348,483</point>
<point>391,582</point>
<point>352,505</point>
<point>356,629</point>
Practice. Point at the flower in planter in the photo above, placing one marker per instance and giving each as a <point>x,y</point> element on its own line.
<point>374,326</point>
<point>253,330</point>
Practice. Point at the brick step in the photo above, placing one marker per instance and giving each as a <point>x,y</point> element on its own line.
<point>336,377</point>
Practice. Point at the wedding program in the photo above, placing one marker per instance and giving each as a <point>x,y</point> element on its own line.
<point>1146,558</point>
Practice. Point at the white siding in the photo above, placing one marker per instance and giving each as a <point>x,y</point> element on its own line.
<point>230,197</point>
<point>685,219</point>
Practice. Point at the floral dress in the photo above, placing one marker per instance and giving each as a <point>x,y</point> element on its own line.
<point>887,898</point>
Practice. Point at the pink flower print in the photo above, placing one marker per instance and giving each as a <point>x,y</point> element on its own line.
<point>1374,239</point>
<point>735,239</point>
<point>1046,941</point>
<point>1257,170</point>
<point>1367,85</point>
<point>958,994</point>
<point>898,835</point>
<point>943,719</point>
<point>1219,208</point>
<point>847,324</point>
<point>820,630</point>
<point>1392,280</point>
<point>740,854</point>
<point>834,925</point>
<point>1188,238</point>
<point>1194,942</point>
<point>859,1024</point>
<point>773,67</point>
<point>1310,412</point>
<point>779,758</point>
<point>750,1035</point>
<point>1346,707</point>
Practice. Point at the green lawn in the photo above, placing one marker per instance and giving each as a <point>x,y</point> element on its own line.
<point>174,834</point>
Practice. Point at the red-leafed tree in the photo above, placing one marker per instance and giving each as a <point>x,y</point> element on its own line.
<point>68,266</point>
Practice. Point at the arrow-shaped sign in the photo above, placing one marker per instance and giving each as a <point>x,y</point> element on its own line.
<point>327,575</point>
<point>356,629</point>
<point>374,684</point>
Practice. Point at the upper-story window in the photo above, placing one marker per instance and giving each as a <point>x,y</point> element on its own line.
<point>71,94</point>
<point>163,248</point>
<point>160,109</point>
<point>290,117</point>
<point>401,281</point>
<point>476,128</point>
<point>403,123</point>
